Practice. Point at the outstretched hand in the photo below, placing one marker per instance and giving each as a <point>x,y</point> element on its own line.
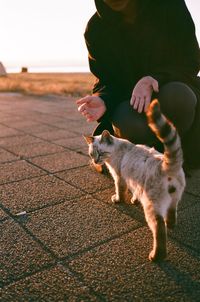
<point>92,107</point>
<point>142,92</point>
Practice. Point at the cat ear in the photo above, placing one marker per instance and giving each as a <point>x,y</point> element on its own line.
<point>106,137</point>
<point>89,139</point>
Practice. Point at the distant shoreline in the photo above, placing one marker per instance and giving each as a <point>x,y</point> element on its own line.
<point>58,83</point>
<point>50,69</point>
<point>50,73</point>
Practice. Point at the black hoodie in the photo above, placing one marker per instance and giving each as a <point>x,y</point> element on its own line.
<point>159,42</point>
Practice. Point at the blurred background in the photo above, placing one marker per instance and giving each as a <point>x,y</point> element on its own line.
<point>47,35</point>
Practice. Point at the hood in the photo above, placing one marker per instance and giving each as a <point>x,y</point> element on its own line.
<point>110,16</point>
<point>106,13</point>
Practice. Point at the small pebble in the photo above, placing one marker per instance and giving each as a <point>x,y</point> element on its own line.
<point>21,213</point>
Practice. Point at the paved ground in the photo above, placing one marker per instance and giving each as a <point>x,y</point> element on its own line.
<point>60,238</point>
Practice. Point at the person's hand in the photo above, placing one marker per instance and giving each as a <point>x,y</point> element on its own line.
<point>92,107</point>
<point>142,92</point>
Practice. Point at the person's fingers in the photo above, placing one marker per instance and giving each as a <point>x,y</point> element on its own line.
<point>155,86</point>
<point>136,102</point>
<point>90,116</point>
<point>82,108</point>
<point>86,99</point>
<point>132,100</point>
<point>141,105</point>
<point>91,119</point>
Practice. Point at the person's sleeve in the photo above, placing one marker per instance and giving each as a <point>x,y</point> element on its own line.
<point>185,55</point>
<point>104,86</point>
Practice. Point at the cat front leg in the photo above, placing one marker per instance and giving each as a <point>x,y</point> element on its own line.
<point>136,195</point>
<point>120,190</point>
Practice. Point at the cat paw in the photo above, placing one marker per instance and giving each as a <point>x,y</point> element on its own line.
<point>134,200</point>
<point>158,255</point>
<point>115,198</point>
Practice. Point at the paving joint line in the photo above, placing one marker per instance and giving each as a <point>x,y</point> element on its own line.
<point>80,278</point>
<point>29,274</point>
<point>45,140</point>
<point>35,210</point>
<point>22,179</point>
<point>185,245</point>
<point>192,194</point>
<point>72,256</point>
<point>28,232</point>
<point>98,244</point>
<point>58,260</point>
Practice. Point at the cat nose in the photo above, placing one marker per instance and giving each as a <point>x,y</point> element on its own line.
<point>96,159</point>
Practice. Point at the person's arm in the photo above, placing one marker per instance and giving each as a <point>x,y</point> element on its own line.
<point>183,59</point>
<point>105,85</point>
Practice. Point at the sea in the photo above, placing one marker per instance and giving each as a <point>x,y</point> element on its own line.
<point>49,69</point>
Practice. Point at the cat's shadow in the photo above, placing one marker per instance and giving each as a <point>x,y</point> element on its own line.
<point>135,211</point>
<point>181,278</point>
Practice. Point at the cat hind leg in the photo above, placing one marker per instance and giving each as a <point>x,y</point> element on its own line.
<point>159,251</point>
<point>175,192</point>
<point>171,217</point>
<point>156,224</point>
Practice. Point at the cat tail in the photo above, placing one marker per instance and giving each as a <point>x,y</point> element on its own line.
<point>168,135</point>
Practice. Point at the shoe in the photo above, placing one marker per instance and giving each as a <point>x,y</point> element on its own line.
<point>103,126</point>
<point>96,167</point>
<point>100,168</point>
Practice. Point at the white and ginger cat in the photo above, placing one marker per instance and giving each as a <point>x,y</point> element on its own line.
<point>157,180</point>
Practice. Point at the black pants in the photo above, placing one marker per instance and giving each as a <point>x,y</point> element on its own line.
<point>177,102</point>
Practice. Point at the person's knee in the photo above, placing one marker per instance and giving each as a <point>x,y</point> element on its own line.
<point>129,124</point>
<point>178,103</point>
<point>177,95</point>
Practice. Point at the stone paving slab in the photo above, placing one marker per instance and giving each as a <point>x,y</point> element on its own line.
<point>32,194</point>
<point>74,143</point>
<point>78,126</point>
<point>20,254</point>
<point>6,131</point>
<point>188,201</point>
<point>56,135</point>
<point>187,229</point>
<point>22,140</point>
<point>6,156</point>
<point>23,125</point>
<point>36,149</point>
<point>18,170</point>
<point>86,178</point>
<point>62,240</point>
<point>56,284</point>
<point>2,215</point>
<point>74,226</point>
<point>121,269</point>
<point>192,186</point>
<point>60,161</point>
<point>35,128</point>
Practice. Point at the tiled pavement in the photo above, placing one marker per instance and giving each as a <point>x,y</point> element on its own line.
<point>61,240</point>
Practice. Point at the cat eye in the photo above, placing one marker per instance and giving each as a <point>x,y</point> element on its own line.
<point>102,153</point>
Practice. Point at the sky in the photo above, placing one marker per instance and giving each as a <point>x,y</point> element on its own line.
<point>50,32</point>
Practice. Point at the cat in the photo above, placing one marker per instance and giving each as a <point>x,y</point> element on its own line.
<point>157,180</point>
